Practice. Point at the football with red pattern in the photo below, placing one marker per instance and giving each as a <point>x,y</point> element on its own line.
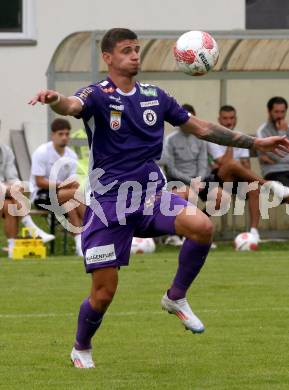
<point>142,245</point>
<point>246,242</point>
<point>196,52</point>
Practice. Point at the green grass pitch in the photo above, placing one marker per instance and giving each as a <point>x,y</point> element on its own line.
<point>242,298</point>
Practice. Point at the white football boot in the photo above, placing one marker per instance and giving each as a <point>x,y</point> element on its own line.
<point>46,237</point>
<point>82,359</point>
<point>28,222</point>
<point>182,310</point>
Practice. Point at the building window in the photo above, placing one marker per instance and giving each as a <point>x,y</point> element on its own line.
<point>11,16</point>
<point>267,14</point>
<point>17,20</point>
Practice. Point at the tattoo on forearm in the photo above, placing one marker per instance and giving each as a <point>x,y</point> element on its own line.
<point>220,135</point>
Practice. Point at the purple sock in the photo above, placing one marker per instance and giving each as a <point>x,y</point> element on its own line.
<point>191,259</point>
<point>89,321</point>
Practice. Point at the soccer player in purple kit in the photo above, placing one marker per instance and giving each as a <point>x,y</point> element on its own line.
<point>124,120</point>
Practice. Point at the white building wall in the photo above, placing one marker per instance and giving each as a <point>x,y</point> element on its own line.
<point>23,68</point>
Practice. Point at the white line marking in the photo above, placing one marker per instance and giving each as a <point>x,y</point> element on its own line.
<point>140,313</point>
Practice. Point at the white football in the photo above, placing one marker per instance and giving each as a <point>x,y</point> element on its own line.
<point>142,245</point>
<point>246,242</point>
<point>196,52</point>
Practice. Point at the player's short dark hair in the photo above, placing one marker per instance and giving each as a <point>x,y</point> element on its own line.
<point>60,124</point>
<point>276,100</point>
<point>189,108</point>
<point>227,108</point>
<point>115,35</point>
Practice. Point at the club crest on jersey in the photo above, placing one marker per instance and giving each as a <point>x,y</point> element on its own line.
<point>115,120</point>
<point>150,117</point>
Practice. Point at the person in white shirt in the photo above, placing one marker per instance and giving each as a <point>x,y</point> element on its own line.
<point>54,166</point>
<point>233,165</point>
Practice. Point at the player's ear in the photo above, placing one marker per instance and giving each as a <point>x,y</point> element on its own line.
<point>106,57</point>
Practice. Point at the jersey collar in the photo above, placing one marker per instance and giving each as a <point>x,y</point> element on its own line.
<point>119,91</point>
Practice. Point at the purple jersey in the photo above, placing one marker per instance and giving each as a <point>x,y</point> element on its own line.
<point>125,131</point>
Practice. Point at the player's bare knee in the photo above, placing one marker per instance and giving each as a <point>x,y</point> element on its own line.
<point>206,231</point>
<point>104,300</point>
<point>101,298</point>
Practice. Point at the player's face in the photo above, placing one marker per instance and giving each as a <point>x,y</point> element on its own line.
<point>277,113</point>
<point>228,119</point>
<point>60,138</point>
<point>124,58</point>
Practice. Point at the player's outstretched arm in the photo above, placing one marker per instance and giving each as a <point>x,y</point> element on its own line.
<point>60,104</point>
<point>221,135</point>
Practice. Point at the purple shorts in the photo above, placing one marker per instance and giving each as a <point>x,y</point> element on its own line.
<point>106,241</point>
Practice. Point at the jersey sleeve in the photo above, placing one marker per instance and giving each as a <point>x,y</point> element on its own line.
<point>88,99</point>
<point>173,112</point>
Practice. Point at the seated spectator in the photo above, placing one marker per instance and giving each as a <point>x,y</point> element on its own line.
<point>186,158</point>
<point>63,181</point>
<point>233,165</point>
<point>8,176</point>
<point>274,167</point>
